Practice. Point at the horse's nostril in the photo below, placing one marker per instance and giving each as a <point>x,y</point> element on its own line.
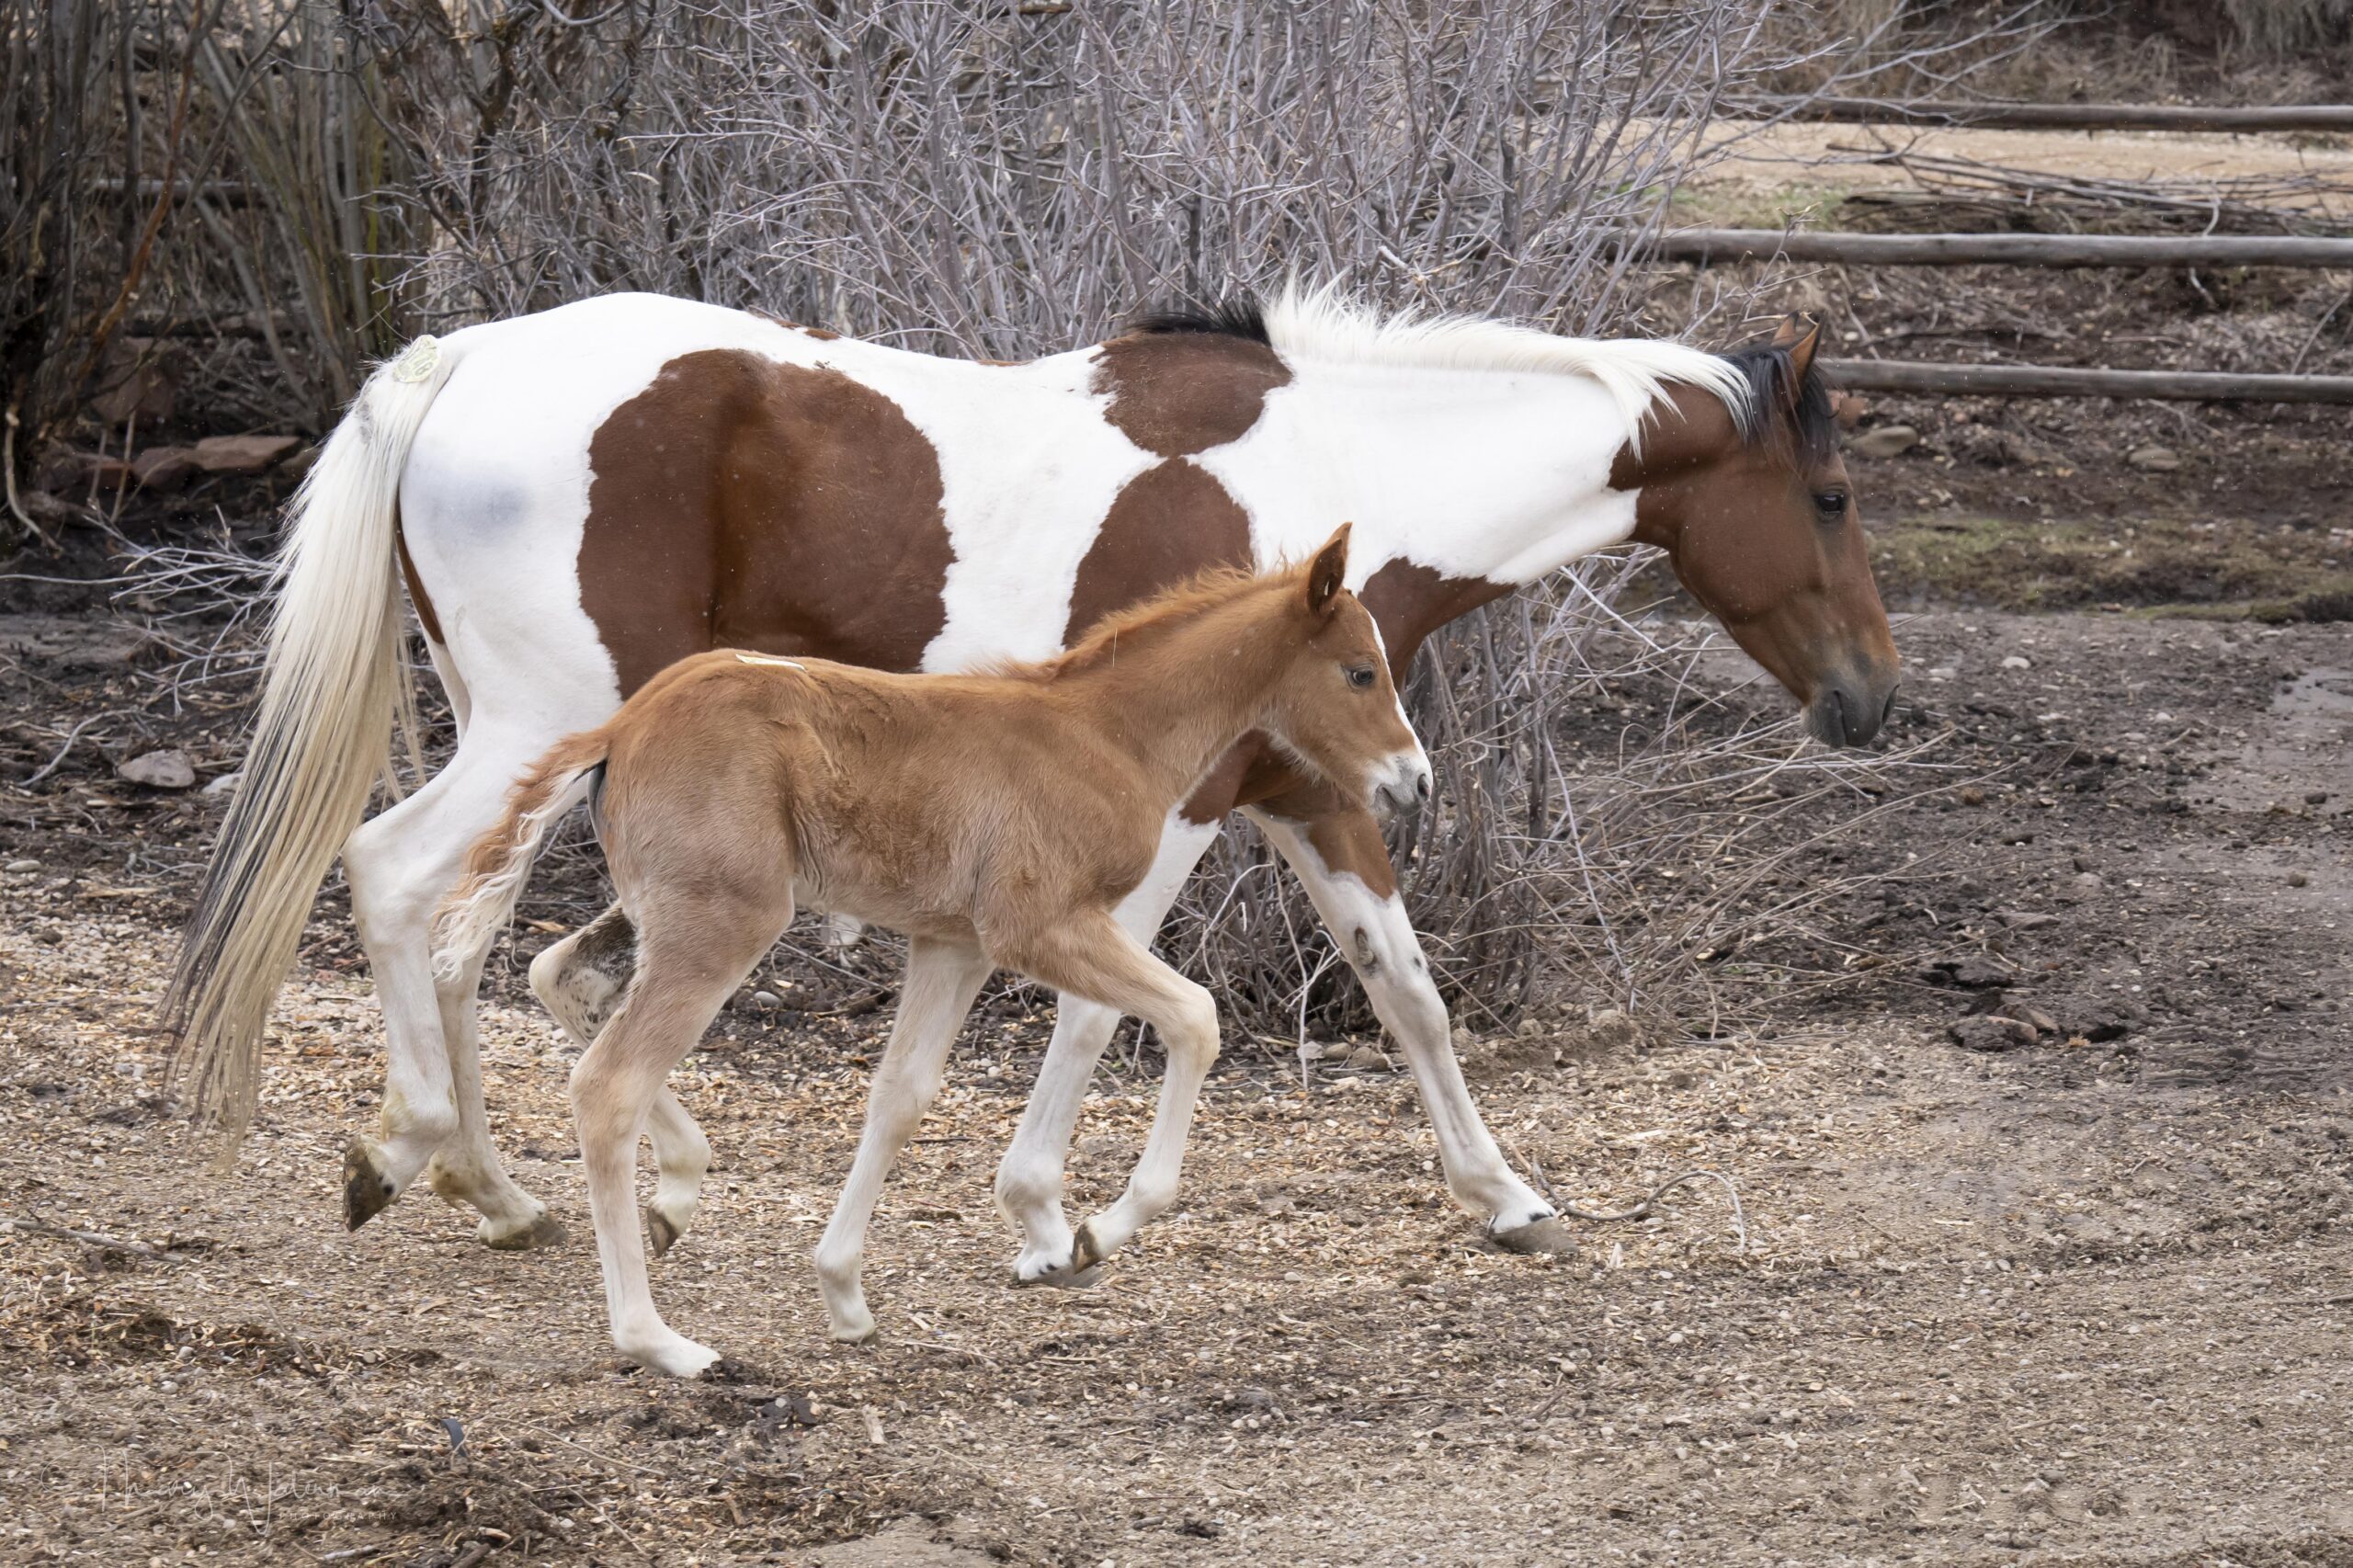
<point>1422,787</point>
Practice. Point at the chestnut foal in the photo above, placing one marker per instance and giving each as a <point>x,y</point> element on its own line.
<point>998,820</point>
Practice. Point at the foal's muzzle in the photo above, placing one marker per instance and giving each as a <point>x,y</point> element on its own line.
<point>1407,787</point>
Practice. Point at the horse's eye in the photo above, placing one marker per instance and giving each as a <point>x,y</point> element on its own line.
<point>1831,504</point>
<point>1360,676</point>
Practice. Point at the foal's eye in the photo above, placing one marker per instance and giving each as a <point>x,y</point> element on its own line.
<point>1360,676</point>
<point>1831,504</point>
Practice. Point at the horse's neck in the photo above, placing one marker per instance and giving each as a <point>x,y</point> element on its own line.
<point>1462,485</point>
<point>1177,693</point>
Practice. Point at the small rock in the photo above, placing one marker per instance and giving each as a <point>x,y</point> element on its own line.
<point>2156,459</point>
<point>224,784</point>
<point>2298,880</point>
<point>242,454</point>
<point>159,770</point>
<point>1368,1058</point>
<point>24,865</point>
<point>1612,1029</point>
<point>767,1001</point>
<point>1970,795</point>
<point>2315,797</point>
<point>2025,919</point>
<point>147,390</point>
<point>1981,973</point>
<point>1990,1033</point>
<point>2017,662</point>
<point>1884,442</point>
<point>163,468</point>
<point>2042,1020</point>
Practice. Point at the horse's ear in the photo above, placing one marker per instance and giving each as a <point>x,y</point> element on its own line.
<point>1801,335</point>
<point>1327,573</point>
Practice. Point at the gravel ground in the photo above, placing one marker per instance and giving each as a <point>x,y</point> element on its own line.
<point>2081,1301</point>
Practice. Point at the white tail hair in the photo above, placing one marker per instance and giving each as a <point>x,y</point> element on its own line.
<point>500,860</point>
<point>334,683</point>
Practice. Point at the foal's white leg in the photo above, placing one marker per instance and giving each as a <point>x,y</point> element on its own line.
<point>712,940</point>
<point>1099,959</point>
<point>1029,1178</point>
<point>1372,932</point>
<point>941,982</point>
<point>399,864</point>
<point>581,981</point>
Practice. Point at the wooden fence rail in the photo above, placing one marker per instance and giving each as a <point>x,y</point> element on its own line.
<point>2019,250</point>
<point>2058,117</point>
<point>2050,380</point>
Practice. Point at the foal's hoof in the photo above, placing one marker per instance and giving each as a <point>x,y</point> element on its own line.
<point>544,1231</point>
<point>1547,1237</point>
<point>368,1188</point>
<point>661,1235</point>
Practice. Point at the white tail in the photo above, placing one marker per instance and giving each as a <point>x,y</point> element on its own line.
<point>334,683</point>
<point>500,860</point>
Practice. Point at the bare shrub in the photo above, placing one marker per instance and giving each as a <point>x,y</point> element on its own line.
<point>1015,180</point>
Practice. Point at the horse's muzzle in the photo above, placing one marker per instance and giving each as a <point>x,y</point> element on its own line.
<point>1407,788</point>
<point>1850,713</point>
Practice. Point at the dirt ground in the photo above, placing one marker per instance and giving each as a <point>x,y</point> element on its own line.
<point>2077,1298</point>
<point>2081,1301</point>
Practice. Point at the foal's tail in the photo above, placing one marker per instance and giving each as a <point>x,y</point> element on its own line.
<point>501,859</point>
<point>333,681</point>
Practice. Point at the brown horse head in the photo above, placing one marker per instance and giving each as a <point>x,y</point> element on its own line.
<point>1337,710</point>
<point>1755,509</point>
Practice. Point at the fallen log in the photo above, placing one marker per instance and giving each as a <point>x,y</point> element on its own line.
<point>2056,117</point>
<point>2016,250</point>
<point>2054,380</point>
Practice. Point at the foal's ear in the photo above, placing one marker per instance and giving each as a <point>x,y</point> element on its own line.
<point>1327,572</point>
<point>1801,335</point>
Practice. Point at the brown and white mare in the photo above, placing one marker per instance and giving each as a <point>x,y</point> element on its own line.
<point>998,820</point>
<point>578,498</point>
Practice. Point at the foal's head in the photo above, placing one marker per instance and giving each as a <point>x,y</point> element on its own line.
<point>1336,709</point>
<point>1760,522</point>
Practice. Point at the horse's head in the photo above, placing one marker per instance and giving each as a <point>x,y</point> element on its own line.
<point>1336,709</point>
<point>1755,509</point>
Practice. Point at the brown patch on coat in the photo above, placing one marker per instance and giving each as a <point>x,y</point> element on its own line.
<point>1178,395</point>
<point>1169,521</point>
<point>417,595</point>
<point>1342,833</point>
<point>743,502</point>
<point>1409,601</point>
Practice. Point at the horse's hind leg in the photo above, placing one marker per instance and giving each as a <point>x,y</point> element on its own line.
<point>1029,1178</point>
<point>941,982</point>
<point>693,954</point>
<point>399,864</point>
<point>581,981</point>
<point>1096,958</point>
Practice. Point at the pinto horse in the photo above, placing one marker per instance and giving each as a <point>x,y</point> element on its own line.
<point>999,820</point>
<point>578,498</point>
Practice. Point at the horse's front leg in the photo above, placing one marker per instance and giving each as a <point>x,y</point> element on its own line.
<point>1029,1178</point>
<point>1336,849</point>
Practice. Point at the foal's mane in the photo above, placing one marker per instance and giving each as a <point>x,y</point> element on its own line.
<point>1757,386</point>
<point>1204,590</point>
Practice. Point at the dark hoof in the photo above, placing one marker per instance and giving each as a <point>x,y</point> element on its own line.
<point>661,1235</point>
<point>367,1191</point>
<point>1546,1237</point>
<point>547,1230</point>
